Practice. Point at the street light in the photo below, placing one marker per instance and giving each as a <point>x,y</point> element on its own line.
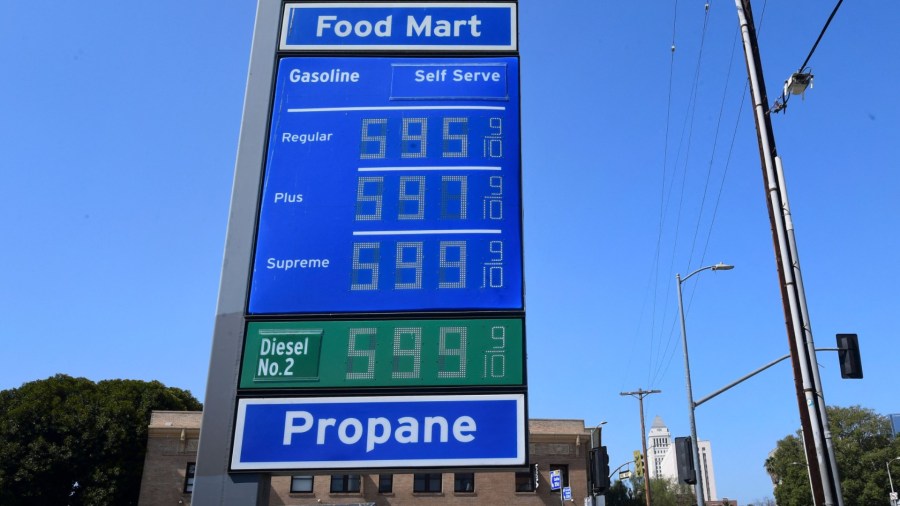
<point>891,480</point>
<point>687,374</point>
<point>599,429</point>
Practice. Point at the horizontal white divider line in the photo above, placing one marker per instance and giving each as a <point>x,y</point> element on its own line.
<point>427,169</point>
<point>426,232</point>
<point>404,108</point>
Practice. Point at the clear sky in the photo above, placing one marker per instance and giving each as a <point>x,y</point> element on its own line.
<point>118,132</point>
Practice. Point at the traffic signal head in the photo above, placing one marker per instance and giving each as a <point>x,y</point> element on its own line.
<point>599,470</point>
<point>848,355</point>
<point>684,456</point>
<point>638,463</point>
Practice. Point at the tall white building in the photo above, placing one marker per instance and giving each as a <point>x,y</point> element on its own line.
<point>658,444</point>
<point>661,454</point>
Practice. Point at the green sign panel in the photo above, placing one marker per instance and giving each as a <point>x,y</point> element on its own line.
<point>392,353</point>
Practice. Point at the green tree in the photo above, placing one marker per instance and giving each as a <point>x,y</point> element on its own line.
<point>863,444</point>
<point>619,494</point>
<point>70,441</point>
<point>663,492</point>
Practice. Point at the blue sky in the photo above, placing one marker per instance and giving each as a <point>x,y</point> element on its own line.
<point>119,124</point>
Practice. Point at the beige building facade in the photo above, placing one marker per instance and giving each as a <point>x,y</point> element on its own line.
<point>553,444</point>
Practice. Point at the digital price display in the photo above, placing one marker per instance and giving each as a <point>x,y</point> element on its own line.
<point>391,184</point>
<point>396,353</point>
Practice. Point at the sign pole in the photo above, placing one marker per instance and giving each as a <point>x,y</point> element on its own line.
<point>213,485</point>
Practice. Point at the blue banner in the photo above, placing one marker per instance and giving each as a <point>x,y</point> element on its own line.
<point>380,432</point>
<point>385,25</point>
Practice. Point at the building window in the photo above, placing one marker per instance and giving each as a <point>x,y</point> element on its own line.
<point>525,482</point>
<point>302,483</point>
<point>385,483</point>
<point>189,477</point>
<point>427,482</point>
<point>704,469</point>
<point>344,483</point>
<point>464,482</point>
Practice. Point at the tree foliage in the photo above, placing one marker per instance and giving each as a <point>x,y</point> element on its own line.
<point>70,441</point>
<point>863,445</point>
<point>663,492</point>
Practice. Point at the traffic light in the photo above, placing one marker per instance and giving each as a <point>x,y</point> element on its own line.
<point>638,463</point>
<point>848,355</point>
<point>684,456</point>
<point>599,461</point>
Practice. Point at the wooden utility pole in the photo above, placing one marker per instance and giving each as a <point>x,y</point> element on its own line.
<point>823,472</point>
<point>639,395</point>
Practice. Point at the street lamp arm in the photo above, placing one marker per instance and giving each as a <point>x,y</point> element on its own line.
<point>620,467</point>
<point>718,267</point>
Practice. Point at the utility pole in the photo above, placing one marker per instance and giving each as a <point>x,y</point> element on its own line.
<point>823,472</point>
<point>639,395</point>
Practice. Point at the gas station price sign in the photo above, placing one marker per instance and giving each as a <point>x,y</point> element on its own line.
<point>391,184</point>
<point>392,353</point>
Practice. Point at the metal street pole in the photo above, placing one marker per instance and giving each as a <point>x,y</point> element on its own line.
<point>891,480</point>
<point>640,394</point>
<point>599,430</point>
<point>695,443</point>
<point>810,398</point>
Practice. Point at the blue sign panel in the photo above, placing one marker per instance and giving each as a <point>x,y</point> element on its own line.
<point>387,25</point>
<point>391,184</point>
<point>567,493</point>
<point>555,479</point>
<point>379,432</point>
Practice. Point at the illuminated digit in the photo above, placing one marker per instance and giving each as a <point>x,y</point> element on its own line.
<point>412,199</point>
<point>364,275</point>
<point>415,352</point>
<point>496,184</point>
<point>498,335</point>
<point>493,142</point>
<point>496,249</point>
<point>380,139</point>
<point>461,137</point>
<point>414,145</point>
<point>454,197</point>
<point>447,266</point>
<point>361,345</point>
<point>404,249</point>
<point>445,351</point>
<point>498,365</point>
<point>369,198</point>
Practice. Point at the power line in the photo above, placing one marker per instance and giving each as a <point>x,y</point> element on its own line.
<point>813,50</point>
<point>688,127</point>
<point>802,77</point>
<point>662,193</point>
